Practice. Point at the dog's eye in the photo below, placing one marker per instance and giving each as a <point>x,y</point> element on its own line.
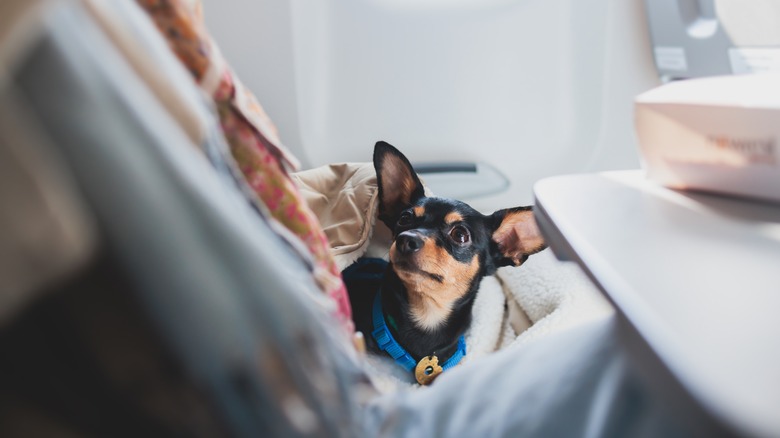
<point>460,234</point>
<point>405,219</point>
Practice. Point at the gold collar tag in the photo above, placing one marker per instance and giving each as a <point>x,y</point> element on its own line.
<point>427,369</point>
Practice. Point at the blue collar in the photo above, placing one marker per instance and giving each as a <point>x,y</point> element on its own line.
<point>388,344</point>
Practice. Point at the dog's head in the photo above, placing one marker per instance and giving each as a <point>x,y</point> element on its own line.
<point>442,248</point>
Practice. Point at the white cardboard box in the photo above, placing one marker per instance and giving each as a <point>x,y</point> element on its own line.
<point>716,134</point>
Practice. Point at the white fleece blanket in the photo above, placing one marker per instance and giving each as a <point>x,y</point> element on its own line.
<point>554,296</point>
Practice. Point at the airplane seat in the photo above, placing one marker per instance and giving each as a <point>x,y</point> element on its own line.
<point>484,97</point>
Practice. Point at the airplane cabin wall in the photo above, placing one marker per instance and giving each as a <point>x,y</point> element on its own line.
<point>532,87</point>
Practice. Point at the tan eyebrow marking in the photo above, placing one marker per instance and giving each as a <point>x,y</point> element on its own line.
<point>453,217</point>
<point>419,211</point>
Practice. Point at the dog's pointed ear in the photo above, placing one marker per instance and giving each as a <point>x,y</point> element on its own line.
<point>516,235</point>
<point>399,186</point>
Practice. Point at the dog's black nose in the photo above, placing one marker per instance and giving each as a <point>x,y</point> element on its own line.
<point>408,242</point>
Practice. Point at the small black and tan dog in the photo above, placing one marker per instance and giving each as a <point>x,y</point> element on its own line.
<point>418,308</point>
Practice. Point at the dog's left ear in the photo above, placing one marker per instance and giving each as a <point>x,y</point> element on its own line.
<point>399,186</point>
<point>516,234</point>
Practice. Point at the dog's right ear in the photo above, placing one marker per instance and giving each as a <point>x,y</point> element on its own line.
<point>399,186</point>
<point>516,235</point>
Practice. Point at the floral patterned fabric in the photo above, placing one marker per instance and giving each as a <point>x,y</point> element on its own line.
<point>253,139</point>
